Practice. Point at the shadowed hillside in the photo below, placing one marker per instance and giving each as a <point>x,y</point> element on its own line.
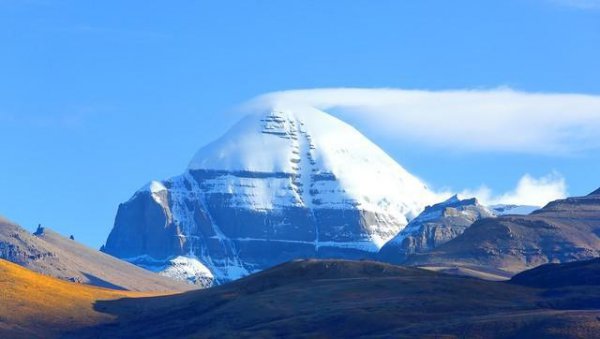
<point>579,273</point>
<point>309,298</point>
<point>333,298</point>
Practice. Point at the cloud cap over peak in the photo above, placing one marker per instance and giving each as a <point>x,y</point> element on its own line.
<point>500,119</point>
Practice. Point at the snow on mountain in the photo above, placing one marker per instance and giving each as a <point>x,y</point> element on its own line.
<point>277,186</point>
<point>182,268</point>
<point>503,209</point>
<point>436,225</point>
<point>308,144</point>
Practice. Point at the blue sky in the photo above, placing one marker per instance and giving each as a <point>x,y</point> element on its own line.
<point>98,98</point>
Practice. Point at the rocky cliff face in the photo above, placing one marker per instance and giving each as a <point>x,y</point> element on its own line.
<point>278,186</point>
<point>437,225</point>
<point>564,230</point>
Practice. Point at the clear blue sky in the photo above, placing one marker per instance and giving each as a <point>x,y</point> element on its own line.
<point>99,97</point>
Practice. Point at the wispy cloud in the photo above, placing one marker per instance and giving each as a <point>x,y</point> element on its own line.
<point>528,191</point>
<point>461,120</point>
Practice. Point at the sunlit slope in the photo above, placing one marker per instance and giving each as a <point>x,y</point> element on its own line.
<point>49,253</point>
<point>34,305</point>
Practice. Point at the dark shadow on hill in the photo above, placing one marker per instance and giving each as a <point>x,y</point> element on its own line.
<point>94,280</point>
<point>578,273</point>
<point>333,298</point>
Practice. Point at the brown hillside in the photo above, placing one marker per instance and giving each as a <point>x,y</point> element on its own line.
<point>34,305</point>
<point>347,299</point>
<point>565,230</point>
<point>49,253</point>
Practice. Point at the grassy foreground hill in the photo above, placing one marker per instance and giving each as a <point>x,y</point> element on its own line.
<point>308,298</point>
<point>35,305</point>
<point>337,298</point>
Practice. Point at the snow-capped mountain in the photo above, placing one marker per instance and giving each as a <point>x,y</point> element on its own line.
<point>277,186</point>
<point>437,225</point>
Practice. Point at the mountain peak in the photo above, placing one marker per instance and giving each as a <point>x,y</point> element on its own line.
<point>436,225</point>
<point>307,144</point>
<point>453,199</point>
<point>456,201</point>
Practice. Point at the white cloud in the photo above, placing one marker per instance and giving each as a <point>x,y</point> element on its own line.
<point>461,120</point>
<point>529,191</point>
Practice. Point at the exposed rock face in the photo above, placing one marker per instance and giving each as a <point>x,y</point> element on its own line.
<point>563,231</point>
<point>437,225</point>
<point>278,186</point>
<point>21,247</point>
<point>145,222</point>
<point>48,253</point>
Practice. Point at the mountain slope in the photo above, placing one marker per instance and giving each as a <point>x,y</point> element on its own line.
<point>564,230</point>
<point>51,254</point>
<point>277,186</point>
<point>578,273</point>
<point>337,298</point>
<point>35,305</point>
<point>435,226</point>
<point>308,298</point>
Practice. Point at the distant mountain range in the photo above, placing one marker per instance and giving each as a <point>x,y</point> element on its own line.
<point>49,253</point>
<point>563,231</point>
<point>435,226</point>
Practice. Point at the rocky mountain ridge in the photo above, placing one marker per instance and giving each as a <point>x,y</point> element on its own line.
<point>564,230</point>
<point>435,226</point>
